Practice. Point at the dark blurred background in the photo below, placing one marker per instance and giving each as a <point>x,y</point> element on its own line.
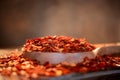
<point>96,20</point>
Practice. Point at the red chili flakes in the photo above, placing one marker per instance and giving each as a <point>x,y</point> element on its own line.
<point>17,65</point>
<point>57,44</point>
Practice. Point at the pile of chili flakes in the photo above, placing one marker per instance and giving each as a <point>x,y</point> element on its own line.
<point>17,65</point>
<point>63,44</point>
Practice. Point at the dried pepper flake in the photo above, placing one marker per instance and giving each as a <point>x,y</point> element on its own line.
<point>57,44</point>
<point>18,65</point>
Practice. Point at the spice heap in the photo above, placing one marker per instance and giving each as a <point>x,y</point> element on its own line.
<point>57,44</point>
<point>17,65</point>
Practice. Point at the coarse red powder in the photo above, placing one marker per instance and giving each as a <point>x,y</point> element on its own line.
<point>18,65</point>
<point>57,44</point>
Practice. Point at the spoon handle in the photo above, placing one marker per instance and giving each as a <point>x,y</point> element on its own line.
<point>110,48</point>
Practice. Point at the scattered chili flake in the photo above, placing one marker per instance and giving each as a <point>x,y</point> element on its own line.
<point>57,44</point>
<point>18,65</point>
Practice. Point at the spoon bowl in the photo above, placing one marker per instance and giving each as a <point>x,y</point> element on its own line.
<point>56,57</point>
